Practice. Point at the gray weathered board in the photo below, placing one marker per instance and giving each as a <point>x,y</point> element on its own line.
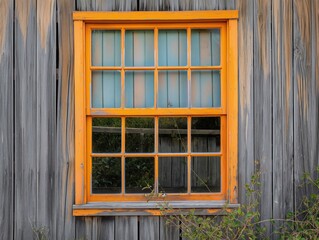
<point>278,112</point>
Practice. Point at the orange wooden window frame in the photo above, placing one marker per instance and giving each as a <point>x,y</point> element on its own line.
<point>84,22</point>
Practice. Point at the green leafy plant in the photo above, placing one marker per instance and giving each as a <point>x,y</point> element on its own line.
<point>240,223</point>
<point>40,233</point>
<point>304,223</point>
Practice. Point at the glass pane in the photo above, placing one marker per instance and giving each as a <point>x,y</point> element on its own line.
<point>205,134</point>
<point>139,175</point>
<point>106,48</point>
<point>106,135</point>
<point>172,135</point>
<point>106,89</point>
<point>205,89</point>
<point>206,47</point>
<point>205,174</point>
<point>172,89</point>
<point>172,48</point>
<point>139,48</point>
<point>172,175</point>
<point>106,175</point>
<point>139,135</point>
<point>139,89</point>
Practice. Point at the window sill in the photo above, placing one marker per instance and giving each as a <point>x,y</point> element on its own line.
<point>153,208</point>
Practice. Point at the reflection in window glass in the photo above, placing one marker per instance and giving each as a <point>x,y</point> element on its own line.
<point>172,48</point>
<point>139,175</point>
<point>139,135</point>
<point>139,48</point>
<point>205,174</point>
<point>106,135</point>
<point>106,48</point>
<point>139,89</point>
<point>205,47</point>
<point>106,89</point>
<point>172,89</point>
<point>172,134</point>
<point>205,89</point>
<point>172,174</point>
<point>205,134</point>
<point>106,175</point>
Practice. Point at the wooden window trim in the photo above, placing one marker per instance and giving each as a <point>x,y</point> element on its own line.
<point>229,107</point>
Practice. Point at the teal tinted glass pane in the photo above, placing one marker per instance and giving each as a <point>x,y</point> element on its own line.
<point>106,135</point>
<point>205,174</point>
<point>172,89</point>
<point>139,175</point>
<point>172,175</point>
<point>139,89</point>
<point>106,48</point>
<point>139,135</point>
<point>205,47</point>
<point>172,134</point>
<point>205,134</point>
<point>106,175</point>
<point>172,48</point>
<point>139,48</point>
<point>106,89</point>
<point>205,89</point>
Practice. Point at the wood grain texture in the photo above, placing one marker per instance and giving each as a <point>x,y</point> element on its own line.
<point>306,93</point>
<point>63,221</point>
<point>263,104</point>
<point>6,120</point>
<point>149,228</point>
<point>45,111</point>
<point>110,5</point>
<point>282,59</point>
<point>26,103</point>
<point>168,231</point>
<point>126,228</point>
<point>246,160</point>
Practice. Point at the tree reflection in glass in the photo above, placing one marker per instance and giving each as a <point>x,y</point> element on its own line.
<point>106,175</point>
<point>172,134</point>
<point>139,175</point>
<point>139,135</point>
<point>106,135</point>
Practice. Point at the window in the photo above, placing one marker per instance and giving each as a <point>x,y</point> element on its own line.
<point>155,109</point>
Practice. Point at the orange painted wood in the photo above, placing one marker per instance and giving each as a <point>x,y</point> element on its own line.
<point>232,110</point>
<point>80,122</point>
<point>183,16</point>
<point>227,111</point>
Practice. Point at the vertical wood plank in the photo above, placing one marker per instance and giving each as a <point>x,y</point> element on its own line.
<point>306,93</point>
<point>106,5</point>
<point>126,228</point>
<point>64,222</point>
<point>246,100</point>
<point>282,59</point>
<point>45,110</point>
<point>149,228</point>
<point>26,103</point>
<point>103,228</point>
<point>263,104</point>
<point>169,231</point>
<point>6,120</point>
<point>83,226</point>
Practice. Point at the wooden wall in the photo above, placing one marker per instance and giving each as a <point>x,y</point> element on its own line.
<point>278,111</point>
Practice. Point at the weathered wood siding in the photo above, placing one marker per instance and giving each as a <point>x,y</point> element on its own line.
<point>278,112</point>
